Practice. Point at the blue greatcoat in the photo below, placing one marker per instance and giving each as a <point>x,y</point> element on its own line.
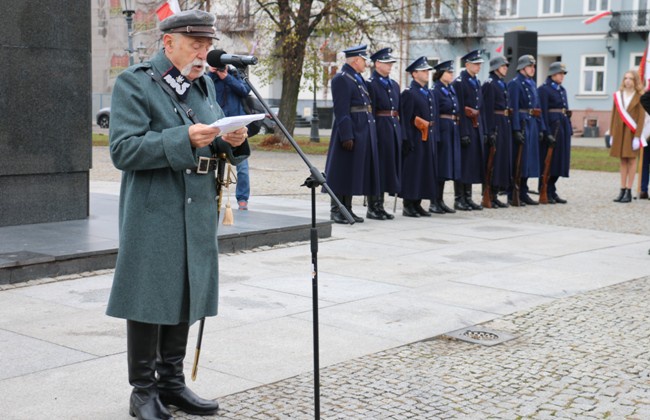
<point>522,94</point>
<point>419,165</point>
<point>469,94</point>
<point>166,270</point>
<point>495,98</point>
<point>352,172</point>
<point>553,96</point>
<point>385,97</point>
<point>448,150</point>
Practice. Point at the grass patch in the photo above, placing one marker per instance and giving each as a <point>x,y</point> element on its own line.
<point>273,143</point>
<point>593,159</point>
<point>100,139</point>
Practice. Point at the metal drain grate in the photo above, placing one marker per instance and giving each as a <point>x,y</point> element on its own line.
<point>480,335</point>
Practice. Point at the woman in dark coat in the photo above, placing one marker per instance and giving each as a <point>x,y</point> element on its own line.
<point>448,148</point>
<point>418,147</point>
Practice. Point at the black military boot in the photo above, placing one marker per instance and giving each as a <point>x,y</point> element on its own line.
<point>335,213</point>
<point>347,202</point>
<point>420,209</point>
<point>380,207</point>
<point>171,380</point>
<point>496,203</point>
<point>621,194</point>
<point>141,342</point>
<point>627,196</point>
<point>373,212</point>
<point>459,197</point>
<point>441,201</point>
<point>434,207</point>
<point>409,209</point>
<point>468,198</point>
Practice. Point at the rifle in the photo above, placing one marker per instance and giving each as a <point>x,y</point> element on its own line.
<point>517,177</point>
<point>543,189</point>
<point>487,185</point>
<point>219,181</point>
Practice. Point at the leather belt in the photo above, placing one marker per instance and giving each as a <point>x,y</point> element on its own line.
<point>361,108</point>
<point>560,110</point>
<point>454,118</point>
<point>535,112</point>
<point>506,112</point>
<point>206,165</point>
<point>387,114</point>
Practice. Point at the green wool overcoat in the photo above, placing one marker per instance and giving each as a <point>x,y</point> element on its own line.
<point>167,270</point>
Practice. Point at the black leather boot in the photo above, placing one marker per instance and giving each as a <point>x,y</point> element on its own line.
<point>441,201</point>
<point>420,209</point>
<point>380,208</point>
<point>347,202</point>
<point>459,197</point>
<point>496,203</point>
<point>171,380</point>
<point>141,342</point>
<point>335,213</point>
<point>373,212</point>
<point>621,194</point>
<point>627,196</point>
<point>409,209</point>
<point>434,207</point>
<point>468,198</point>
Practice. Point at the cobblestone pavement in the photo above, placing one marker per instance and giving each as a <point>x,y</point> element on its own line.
<point>585,356</point>
<point>581,357</point>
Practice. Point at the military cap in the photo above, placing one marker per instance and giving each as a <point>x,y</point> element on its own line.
<point>191,23</point>
<point>357,51</point>
<point>497,62</point>
<point>525,61</point>
<point>383,56</point>
<point>420,63</point>
<point>473,57</point>
<point>556,68</point>
<point>445,66</point>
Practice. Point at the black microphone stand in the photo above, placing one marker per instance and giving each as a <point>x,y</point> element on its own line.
<point>316,179</point>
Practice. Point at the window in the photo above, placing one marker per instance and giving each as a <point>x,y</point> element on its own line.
<point>551,7</point>
<point>431,9</point>
<point>596,6</point>
<point>635,60</point>
<point>507,8</point>
<point>592,74</point>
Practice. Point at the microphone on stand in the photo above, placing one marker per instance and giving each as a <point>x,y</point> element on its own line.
<point>219,59</point>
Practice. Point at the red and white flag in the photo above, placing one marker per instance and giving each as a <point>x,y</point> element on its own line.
<point>167,9</point>
<point>599,16</point>
<point>499,48</point>
<point>643,67</point>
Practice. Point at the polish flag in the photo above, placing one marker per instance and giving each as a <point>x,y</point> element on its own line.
<point>499,48</point>
<point>597,17</point>
<point>643,67</point>
<point>167,9</point>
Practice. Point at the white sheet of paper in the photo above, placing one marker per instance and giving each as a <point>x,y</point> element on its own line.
<point>229,124</point>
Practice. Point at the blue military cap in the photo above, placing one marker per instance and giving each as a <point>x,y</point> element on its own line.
<point>383,56</point>
<point>473,57</point>
<point>445,66</point>
<point>357,51</point>
<point>420,63</point>
<point>190,23</point>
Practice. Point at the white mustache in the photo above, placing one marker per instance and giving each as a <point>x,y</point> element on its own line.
<point>187,69</point>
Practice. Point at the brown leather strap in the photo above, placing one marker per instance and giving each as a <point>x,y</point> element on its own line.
<point>535,112</point>
<point>558,110</point>
<point>387,114</point>
<point>506,112</point>
<point>450,117</point>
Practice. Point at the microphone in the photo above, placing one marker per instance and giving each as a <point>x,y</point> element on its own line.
<point>219,59</point>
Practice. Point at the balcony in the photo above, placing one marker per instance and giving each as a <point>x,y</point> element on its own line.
<point>453,29</point>
<point>631,21</point>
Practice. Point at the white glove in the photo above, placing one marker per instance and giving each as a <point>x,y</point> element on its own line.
<point>636,143</point>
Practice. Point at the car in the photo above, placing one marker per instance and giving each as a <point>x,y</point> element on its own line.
<point>268,125</point>
<point>103,117</point>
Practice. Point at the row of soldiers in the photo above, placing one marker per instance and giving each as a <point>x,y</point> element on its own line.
<point>408,144</point>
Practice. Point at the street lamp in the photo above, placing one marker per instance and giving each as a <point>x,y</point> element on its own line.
<point>128,12</point>
<point>314,136</point>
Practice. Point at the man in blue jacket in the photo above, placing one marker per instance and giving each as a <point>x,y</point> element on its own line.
<point>231,91</point>
<point>352,159</point>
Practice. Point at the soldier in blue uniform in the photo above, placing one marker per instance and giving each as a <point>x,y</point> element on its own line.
<point>527,124</point>
<point>352,160</point>
<point>468,89</point>
<point>385,98</point>
<point>418,115</point>
<point>448,148</point>
<point>497,128</point>
<point>557,118</point>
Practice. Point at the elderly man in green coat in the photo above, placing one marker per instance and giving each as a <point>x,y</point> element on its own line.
<point>166,274</point>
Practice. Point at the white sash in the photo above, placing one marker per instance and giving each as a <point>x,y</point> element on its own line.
<point>625,116</point>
